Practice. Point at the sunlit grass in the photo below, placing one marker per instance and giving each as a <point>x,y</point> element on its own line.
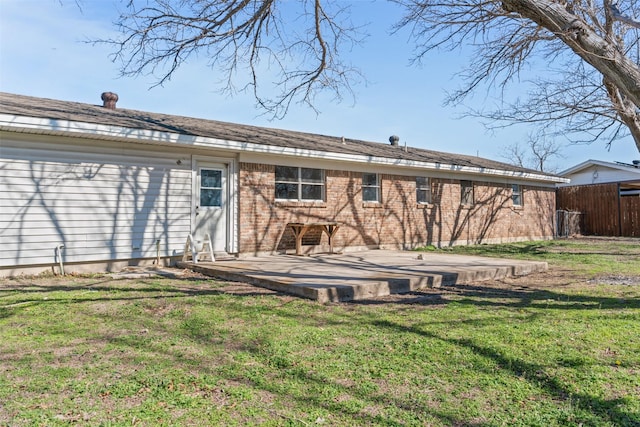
<point>100,351</point>
<point>590,257</point>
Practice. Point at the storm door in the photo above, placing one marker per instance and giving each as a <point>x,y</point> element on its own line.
<point>211,205</point>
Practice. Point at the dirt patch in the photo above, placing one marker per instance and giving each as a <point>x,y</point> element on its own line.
<point>133,277</point>
<point>616,280</point>
<point>194,283</point>
<point>554,279</point>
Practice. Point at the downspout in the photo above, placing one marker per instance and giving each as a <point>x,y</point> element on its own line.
<point>59,255</point>
<point>554,219</point>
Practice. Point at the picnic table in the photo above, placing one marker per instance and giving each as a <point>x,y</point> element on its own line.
<point>301,228</point>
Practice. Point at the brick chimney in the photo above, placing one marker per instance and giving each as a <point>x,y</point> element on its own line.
<point>109,99</point>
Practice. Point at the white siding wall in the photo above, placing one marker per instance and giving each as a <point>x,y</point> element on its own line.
<point>99,205</point>
<point>597,174</point>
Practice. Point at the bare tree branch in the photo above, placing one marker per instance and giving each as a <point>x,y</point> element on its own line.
<point>576,108</point>
<point>510,34</point>
<point>264,38</point>
<point>617,15</point>
<point>292,51</point>
<point>537,153</point>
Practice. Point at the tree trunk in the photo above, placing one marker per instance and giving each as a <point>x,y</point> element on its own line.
<point>586,43</point>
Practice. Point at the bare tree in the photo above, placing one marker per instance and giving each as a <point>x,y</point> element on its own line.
<point>594,45</point>
<point>297,46</point>
<point>596,89</point>
<point>537,153</point>
<point>575,107</point>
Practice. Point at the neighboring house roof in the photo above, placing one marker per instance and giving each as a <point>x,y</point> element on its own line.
<point>601,172</point>
<point>624,167</point>
<point>41,115</point>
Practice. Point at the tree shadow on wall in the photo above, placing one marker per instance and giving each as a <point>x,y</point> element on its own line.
<point>396,221</point>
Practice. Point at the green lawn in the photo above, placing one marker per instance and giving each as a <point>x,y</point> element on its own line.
<point>554,349</point>
<point>591,256</point>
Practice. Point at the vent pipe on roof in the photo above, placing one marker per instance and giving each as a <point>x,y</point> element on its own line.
<point>109,100</point>
<point>393,139</point>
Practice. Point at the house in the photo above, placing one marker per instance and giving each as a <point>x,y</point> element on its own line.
<point>606,195</point>
<point>98,187</point>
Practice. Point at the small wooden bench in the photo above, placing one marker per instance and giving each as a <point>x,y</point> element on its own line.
<point>300,229</point>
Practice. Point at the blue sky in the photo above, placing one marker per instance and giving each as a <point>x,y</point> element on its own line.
<point>42,53</point>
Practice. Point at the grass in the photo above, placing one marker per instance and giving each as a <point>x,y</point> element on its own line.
<point>587,255</point>
<point>553,349</point>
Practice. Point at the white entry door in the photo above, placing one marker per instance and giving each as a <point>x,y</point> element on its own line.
<point>211,205</point>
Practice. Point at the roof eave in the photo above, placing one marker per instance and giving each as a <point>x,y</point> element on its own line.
<point>584,165</point>
<point>45,126</point>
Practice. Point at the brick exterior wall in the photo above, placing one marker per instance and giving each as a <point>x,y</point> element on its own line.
<point>398,221</point>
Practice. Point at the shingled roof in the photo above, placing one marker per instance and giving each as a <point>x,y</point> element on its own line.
<point>20,105</point>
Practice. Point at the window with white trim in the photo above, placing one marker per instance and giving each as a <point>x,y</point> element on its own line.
<point>516,194</point>
<point>423,190</point>
<point>370,187</point>
<point>302,184</point>
<point>466,193</point>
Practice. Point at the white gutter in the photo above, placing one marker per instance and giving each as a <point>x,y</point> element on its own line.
<point>15,123</point>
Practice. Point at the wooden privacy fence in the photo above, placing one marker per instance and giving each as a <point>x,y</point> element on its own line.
<point>630,212</point>
<point>604,211</point>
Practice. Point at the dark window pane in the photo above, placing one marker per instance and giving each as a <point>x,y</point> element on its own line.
<point>423,190</point>
<point>466,192</point>
<point>466,197</point>
<point>311,192</point>
<point>516,194</point>
<point>210,197</point>
<point>423,196</point>
<point>370,194</point>
<point>286,191</point>
<point>369,179</point>
<point>286,173</point>
<point>311,175</point>
<point>210,178</point>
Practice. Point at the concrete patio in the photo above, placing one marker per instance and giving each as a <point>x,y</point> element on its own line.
<point>362,275</point>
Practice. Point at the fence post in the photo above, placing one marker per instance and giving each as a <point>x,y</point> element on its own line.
<point>619,212</point>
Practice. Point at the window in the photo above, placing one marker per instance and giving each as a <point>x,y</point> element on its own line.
<point>370,187</point>
<point>423,190</point>
<point>293,183</point>
<point>466,193</point>
<point>516,194</point>
<point>210,187</point>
